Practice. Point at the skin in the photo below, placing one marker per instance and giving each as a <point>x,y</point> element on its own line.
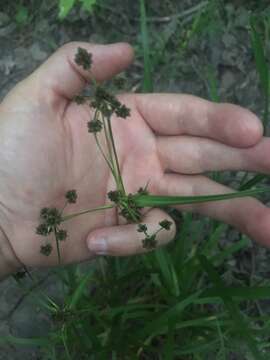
<point>170,140</point>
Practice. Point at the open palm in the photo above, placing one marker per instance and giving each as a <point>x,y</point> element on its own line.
<point>168,142</point>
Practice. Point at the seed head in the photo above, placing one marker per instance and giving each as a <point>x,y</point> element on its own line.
<point>71,196</point>
<point>61,235</point>
<point>83,58</point>
<point>44,213</point>
<point>43,229</point>
<point>142,228</point>
<point>53,217</point>
<point>94,126</point>
<point>149,242</point>
<point>114,196</point>
<point>46,249</point>
<point>122,111</point>
<point>165,224</point>
<point>79,99</point>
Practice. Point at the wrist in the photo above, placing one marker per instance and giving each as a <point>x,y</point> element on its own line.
<point>9,263</point>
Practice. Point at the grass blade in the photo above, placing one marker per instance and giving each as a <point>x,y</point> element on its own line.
<point>260,59</point>
<point>254,181</point>
<point>153,200</point>
<point>261,65</point>
<point>147,80</point>
<point>242,293</point>
<point>64,8</point>
<point>79,291</point>
<point>241,326</point>
<point>10,339</point>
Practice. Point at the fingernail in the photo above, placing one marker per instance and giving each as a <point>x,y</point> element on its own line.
<point>98,246</point>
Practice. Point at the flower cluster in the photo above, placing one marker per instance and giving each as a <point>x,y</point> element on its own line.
<point>103,101</point>
<point>79,99</point>
<point>150,242</point>
<point>165,224</point>
<point>94,126</point>
<point>71,196</point>
<point>108,104</point>
<point>51,219</point>
<point>83,58</point>
<point>126,205</point>
<point>46,249</point>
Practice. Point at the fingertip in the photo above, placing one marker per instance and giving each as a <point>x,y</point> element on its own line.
<point>126,50</point>
<point>237,126</point>
<point>97,245</point>
<point>252,128</point>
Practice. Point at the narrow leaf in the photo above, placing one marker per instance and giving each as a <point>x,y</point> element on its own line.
<point>159,201</point>
<point>64,7</point>
<point>260,59</point>
<point>79,291</point>
<point>147,81</point>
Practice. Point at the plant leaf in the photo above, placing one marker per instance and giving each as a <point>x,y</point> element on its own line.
<point>80,290</point>
<point>159,201</point>
<point>64,8</point>
<point>260,59</point>
<point>88,4</point>
<point>147,81</point>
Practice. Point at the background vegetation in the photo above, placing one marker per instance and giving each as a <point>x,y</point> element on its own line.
<point>206,296</point>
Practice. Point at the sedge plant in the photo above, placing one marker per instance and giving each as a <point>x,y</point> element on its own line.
<point>107,108</point>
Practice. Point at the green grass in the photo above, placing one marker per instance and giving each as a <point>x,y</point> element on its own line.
<point>184,301</point>
<point>127,307</point>
<point>147,80</point>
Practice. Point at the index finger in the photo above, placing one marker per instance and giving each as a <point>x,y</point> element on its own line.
<point>173,114</point>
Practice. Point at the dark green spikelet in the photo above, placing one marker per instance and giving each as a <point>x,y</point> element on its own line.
<point>142,228</point>
<point>53,217</point>
<point>83,58</point>
<point>19,275</point>
<point>43,229</point>
<point>61,234</point>
<point>122,111</point>
<point>79,99</point>
<point>114,196</point>
<point>165,224</point>
<point>71,196</point>
<point>46,249</point>
<point>102,95</point>
<point>44,213</point>
<point>94,126</point>
<point>149,242</point>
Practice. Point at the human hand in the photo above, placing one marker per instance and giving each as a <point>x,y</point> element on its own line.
<point>46,150</point>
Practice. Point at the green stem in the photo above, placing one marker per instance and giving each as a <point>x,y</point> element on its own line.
<point>266,112</point>
<point>120,181</point>
<point>57,246</point>
<point>70,216</point>
<point>109,145</point>
<point>104,156</point>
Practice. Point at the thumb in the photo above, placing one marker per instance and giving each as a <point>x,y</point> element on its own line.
<point>61,76</point>
<point>126,240</point>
